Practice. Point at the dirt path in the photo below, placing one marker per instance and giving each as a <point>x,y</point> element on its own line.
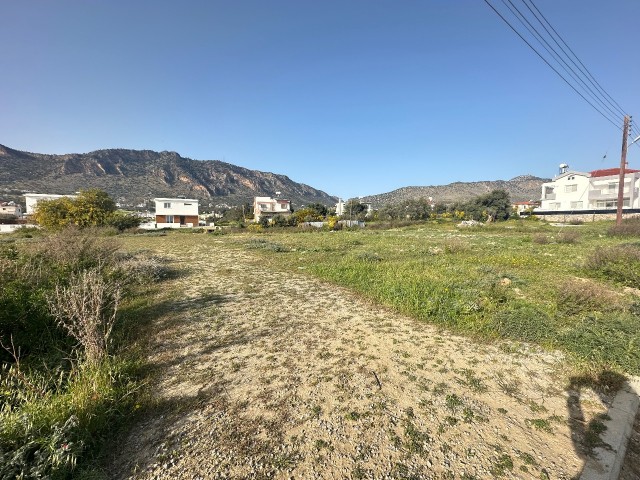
<point>267,374</point>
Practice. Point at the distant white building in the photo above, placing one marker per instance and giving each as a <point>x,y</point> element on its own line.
<point>176,212</point>
<point>341,207</point>
<point>11,208</point>
<point>592,193</point>
<point>32,199</point>
<point>270,207</point>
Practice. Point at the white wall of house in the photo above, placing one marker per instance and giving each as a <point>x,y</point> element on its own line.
<point>574,191</point>
<point>604,191</point>
<point>270,206</point>
<point>176,206</point>
<point>567,191</point>
<point>32,199</point>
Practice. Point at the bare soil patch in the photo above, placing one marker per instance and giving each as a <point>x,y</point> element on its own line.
<point>267,374</point>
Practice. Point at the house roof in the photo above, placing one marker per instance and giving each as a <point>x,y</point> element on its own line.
<point>606,172</point>
<point>193,200</point>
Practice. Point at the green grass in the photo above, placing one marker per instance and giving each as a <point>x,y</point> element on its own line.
<point>494,282</point>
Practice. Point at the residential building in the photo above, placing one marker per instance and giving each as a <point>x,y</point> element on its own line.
<point>342,208</point>
<point>11,209</point>
<point>176,212</point>
<point>596,192</point>
<point>524,208</point>
<point>270,207</point>
<point>32,199</point>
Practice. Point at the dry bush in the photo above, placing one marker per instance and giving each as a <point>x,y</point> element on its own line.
<point>141,269</point>
<point>577,296</point>
<point>629,227</point>
<point>540,238</point>
<point>86,308</point>
<point>77,249</point>
<point>455,245</point>
<point>620,263</point>
<point>569,236</point>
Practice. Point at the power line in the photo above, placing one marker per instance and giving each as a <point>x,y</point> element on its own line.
<point>549,64</point>
<point>620,109</point>
<point>596,96</point>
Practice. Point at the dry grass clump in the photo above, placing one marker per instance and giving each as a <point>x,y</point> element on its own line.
<point>582,296</point>
<point>630,227</point>
<point>540,238</point>
<point>455,245</point>
<point>620,263</point>
<point>568,236</point>
<point>75,249</point>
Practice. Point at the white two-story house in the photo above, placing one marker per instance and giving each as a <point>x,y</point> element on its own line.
<point>176,212</point>
<point>270,207</point>
<point>593,192</point>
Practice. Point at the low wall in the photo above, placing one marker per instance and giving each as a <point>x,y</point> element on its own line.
<point>585,216</point>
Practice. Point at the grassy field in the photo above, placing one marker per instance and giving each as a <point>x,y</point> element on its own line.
<point>566,287</point>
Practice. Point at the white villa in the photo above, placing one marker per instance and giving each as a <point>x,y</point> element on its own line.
<point>270,207</point>
<point>572,192</point>
<point>32,199</point>
<point>176,212</point>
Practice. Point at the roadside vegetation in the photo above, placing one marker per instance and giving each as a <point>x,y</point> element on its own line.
<point>68,366</point>
<point>573,288</point>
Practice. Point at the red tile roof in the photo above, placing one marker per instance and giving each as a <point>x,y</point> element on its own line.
<point>611,171</point>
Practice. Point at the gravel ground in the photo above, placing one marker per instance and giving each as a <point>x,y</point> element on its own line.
<point>261,373</point>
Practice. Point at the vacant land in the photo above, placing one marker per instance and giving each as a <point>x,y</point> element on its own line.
<point>263,370</point>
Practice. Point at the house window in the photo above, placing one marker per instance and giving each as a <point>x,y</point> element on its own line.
<point>187,204</point>
<point>548,193</point>
<point>612,187</point>
<point>169,218</point>
<point>167,204</point>
<point>554,206</point>
<point>611,203</point>
<point>571,188</point>
<point>263,206</point>
<point>576,204</point>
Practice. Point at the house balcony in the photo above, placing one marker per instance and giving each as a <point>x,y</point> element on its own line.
<point>609,195</point>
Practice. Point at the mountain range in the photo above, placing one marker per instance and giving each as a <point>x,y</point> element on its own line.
<point>521,188</point>
<point>133,177</point>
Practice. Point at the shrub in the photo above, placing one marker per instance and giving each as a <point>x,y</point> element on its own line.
<point>568,236</point>
<point>620,263</point>
<point>124,221</point>
<point>455,245</point>
<point>86,308</point>
<point>540,238</point>
<point>630,227</point>
<point>575,297</point>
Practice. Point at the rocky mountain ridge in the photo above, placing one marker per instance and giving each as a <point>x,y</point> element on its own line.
<point>520,188</point>
<point>133,176</point>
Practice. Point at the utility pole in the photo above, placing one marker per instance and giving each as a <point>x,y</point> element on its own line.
<point>623,166</point>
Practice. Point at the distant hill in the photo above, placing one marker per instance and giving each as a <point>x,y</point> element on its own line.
<point>522,188</point>
<point>133,176</point>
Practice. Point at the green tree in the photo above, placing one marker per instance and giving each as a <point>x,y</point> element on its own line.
<point>319,208</point>
<point>91,208</point>
<point>354,210</point>
<point>495,205</point>
<point>307,214</point>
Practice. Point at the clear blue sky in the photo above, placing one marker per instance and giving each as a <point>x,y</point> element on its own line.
<point>354,97</point>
